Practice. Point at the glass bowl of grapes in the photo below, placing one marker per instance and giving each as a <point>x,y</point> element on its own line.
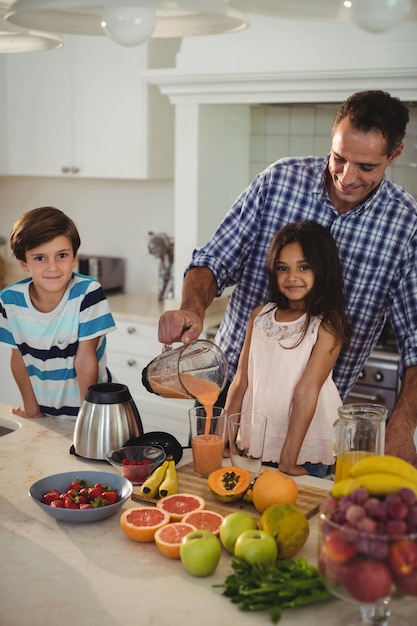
<point>368,553</point>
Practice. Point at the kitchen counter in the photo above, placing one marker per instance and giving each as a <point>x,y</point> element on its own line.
<point>93,575</point>
<point>146,309</point>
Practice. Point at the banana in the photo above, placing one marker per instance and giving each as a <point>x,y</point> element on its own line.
<point>376,483</point>
<point>169,485</point>
<point>150,487</point>
<point>386,464</point>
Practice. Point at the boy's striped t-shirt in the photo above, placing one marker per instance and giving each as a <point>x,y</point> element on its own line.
<point>48,341</point>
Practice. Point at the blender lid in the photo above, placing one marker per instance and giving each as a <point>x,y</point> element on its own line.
<point>168,442</point>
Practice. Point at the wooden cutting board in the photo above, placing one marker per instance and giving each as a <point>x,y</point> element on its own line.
<point>309,498</point>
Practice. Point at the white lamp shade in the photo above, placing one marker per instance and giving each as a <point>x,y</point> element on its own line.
<point>16,39</point>
<point>174,18</point>
<point>378,16</point>
<point>129,25</point>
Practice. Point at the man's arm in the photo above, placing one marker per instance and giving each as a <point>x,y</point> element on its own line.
<point>186,324</point>
<point>402,424</point>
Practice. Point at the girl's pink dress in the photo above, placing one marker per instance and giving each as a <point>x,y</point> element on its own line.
<point>274,369</point>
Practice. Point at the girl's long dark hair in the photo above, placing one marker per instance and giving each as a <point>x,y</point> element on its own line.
<point>326,298</point>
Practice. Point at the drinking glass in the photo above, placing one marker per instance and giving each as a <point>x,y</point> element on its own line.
<point>207,434</point>
<point>246,435</point>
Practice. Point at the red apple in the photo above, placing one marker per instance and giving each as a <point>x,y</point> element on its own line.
<point>402,556</point>
<point>336,547</point>
<point>367,580</point>
<point>407,584</point>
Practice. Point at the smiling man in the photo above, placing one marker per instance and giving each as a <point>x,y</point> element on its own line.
<point>374,223</point>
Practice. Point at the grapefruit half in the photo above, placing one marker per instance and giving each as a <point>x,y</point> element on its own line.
<point>169,538</point>
<point>178,504</point>
<point>204,520</point>
<point>141,523</point>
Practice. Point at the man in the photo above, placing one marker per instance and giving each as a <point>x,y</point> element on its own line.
<point>374,223</point>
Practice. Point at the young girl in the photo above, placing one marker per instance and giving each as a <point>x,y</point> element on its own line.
<point>290,348</point>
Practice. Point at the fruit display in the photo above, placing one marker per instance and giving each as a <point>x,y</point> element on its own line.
<point>288,526</point>
<point>229,484</point>
<point>368,544</point>
<point>200,552</point>
<point>80,495</point>
<point>273,487</point>
<point>168,538</point>
<point>204,520</point>
<point>179,504</point>
<point>163,481</point>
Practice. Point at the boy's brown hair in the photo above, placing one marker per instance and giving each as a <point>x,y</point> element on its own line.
<point>39,226</point>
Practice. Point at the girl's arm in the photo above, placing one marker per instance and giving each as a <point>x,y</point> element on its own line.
<point>240,382</point>
<point>86,365</point>
<point>30,406</point>
<point>319,366</point>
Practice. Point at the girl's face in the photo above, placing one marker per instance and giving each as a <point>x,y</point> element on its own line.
<point>51,265</point>
<point>295,278</point>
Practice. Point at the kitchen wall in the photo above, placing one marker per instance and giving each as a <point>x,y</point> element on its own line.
<point>295,130</point>
<point>113,217</point>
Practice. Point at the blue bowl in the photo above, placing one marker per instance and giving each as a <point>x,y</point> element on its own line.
<point>80,516</point>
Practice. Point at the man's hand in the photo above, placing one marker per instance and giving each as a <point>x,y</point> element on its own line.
<point>184,326</point>
<point>399,440</point>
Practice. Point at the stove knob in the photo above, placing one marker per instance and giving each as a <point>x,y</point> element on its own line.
<point>361,375</point>
<point>378,377</point>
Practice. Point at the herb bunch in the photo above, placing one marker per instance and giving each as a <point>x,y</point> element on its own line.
<point>286,584</point>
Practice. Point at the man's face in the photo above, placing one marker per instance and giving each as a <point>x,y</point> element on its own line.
<point>357,164</point>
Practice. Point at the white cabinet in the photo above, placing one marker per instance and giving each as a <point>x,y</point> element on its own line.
<point>9,392</point>
<point>129,349</point>
<point>85,110</point>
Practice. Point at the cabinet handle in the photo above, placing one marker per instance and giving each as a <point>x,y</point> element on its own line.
<point>131,362</point>
<point>75,170</point>
<point>65,169</point>
<point>131,330</point>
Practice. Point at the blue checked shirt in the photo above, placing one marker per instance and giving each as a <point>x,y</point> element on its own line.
<point>377,244</point>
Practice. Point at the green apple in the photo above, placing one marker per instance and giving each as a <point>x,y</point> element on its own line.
<point>233,525</point>
<point>200,552</point>
<point>256,547</point>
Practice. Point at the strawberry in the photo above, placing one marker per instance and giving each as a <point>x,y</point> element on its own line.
<point>110,496</point>
<point>58,504</point>
<point>95,492</point>
<point>69,503</point>
<point>50,496</point>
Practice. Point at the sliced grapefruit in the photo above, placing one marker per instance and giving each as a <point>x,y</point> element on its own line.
<point>169,538</point>
<point>179,504</point>
<point>141,523</point>
<point>204,520</point>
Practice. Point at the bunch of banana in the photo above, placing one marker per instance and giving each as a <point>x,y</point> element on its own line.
<point>163,481</point>
<point>379,475</point>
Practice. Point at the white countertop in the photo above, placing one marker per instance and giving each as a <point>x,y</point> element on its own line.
<point>145,308</point>
<point>93,575</point>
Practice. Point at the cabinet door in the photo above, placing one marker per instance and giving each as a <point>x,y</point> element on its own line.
<point>39,112</point>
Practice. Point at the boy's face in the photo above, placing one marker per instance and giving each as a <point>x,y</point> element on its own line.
<point>51,264</point>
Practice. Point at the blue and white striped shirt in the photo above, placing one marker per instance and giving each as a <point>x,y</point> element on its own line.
<point>377,243</point>
<point>48,341</point>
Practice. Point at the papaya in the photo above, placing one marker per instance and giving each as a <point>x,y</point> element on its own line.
<point>229,484</point>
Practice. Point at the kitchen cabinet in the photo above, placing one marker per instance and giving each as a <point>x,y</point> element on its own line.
<point>9,392</point>
<point>85,110</point>
<point>129,349</point>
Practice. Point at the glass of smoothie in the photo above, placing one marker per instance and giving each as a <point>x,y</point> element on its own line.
<point>207,434</point>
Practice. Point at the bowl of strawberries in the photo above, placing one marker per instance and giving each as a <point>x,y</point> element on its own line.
<point>136,463</point>
<point>81,497</point>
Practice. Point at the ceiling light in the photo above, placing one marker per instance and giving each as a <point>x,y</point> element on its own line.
<point>377,16</point>
<point>15,39</point>
<point>371,15</point>
<point>129,22</point>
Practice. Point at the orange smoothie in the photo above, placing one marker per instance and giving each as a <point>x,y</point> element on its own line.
<point>207,453</point>
<point>345,461</point>
<point>206,393</point>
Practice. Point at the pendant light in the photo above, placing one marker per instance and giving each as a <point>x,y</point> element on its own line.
<point>16,39</point>
<point>371,15</point>
<point>129,22</point>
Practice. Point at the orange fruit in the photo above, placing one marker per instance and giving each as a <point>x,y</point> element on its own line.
<point>204,520</point>
<point>169,538</point>
<point>141,523</point>
<point>179,504</point>
<point>273,487</point>
<point>289,527</point>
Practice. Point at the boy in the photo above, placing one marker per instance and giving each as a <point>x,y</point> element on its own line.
<point>55,320</point>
